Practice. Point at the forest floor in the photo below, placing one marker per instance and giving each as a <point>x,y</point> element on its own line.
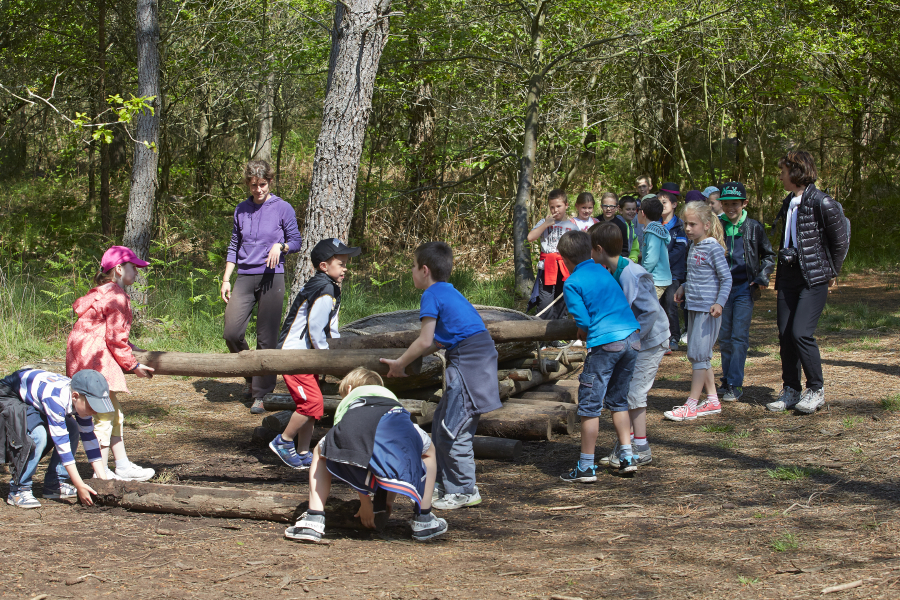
<point>710,518</point>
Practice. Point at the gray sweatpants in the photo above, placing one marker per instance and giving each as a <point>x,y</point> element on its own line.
<point>703,331</point>
<point>455,457</point>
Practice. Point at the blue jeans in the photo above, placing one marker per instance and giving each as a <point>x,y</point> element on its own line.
<point>734,336</point>
<point>56,472</point>
<point>606,377</point>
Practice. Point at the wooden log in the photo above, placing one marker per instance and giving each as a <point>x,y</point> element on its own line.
<point>279,402</point>
<point>530,363</point>
<point>271,362</point>
<point>500,331</point>
<point>572,356</point>
<point>559,395</point>
<point>514,374</point>
<point>427,416</point>
<point>510,388</point>
<point>496,448</point>
<point>524,422</point>
<point>546,404</point>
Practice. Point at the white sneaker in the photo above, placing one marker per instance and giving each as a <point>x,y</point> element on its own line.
<point>110,474</point>
<point>810,401</point>
<point>132,472</point>
<point>23,499</point>
<point>452,501</point>
<point>787,399</point>
<point>683,340</point>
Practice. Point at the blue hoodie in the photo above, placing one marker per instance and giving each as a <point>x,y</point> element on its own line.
<point>678,247</point>
<point>656,254</point>
<point>598,305</point>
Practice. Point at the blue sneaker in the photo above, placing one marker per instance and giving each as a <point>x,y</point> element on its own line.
<point>577,475</point>
<point>627,462</point>
<point>288,454</point>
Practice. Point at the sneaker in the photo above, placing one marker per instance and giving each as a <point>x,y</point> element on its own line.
<point>287,452</point>
<point>425,527</point>
<point>439,491</point>
<point>579,475</point>
<point>681,413</point>
<point>811,401</point>
<point>731,393</point>
<point>452,501</point>
<point>247,392</point>
<point>787,399</point>
<point>309,528</point>
<point>257,408</point>
<point>23,499</point>
<point>683,340</point>
<point>627,462</point>
<point>65,490</point>
<point>641,457</point>
<point>667,352</point>
<point>709,407</point>
<point>673,344</point>
<point>132,472</point>
<point>610,458</point>
<point>109,475</point>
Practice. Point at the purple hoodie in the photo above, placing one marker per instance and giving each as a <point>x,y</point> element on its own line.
<point>258,227</point>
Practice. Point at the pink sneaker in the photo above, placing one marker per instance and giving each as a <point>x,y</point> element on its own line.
<point>709,407</point>
<point>681,413</point>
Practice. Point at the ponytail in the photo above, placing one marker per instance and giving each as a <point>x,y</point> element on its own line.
<point>705,214</point>
<point>104,277</point>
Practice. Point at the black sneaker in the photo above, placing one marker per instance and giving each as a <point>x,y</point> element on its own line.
<point>425,527</point>
<point>257,408</point>
<point>576,475</point>
<point>310,528</point>
<point>627,463</point>
<point>731,393</point>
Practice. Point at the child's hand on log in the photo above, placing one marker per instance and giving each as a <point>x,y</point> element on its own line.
<point>395,369</point>
<point>84,494</point>
<point>144,371</point>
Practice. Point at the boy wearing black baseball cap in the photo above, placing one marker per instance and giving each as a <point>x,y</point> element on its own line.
<point>60,409</point>
<point>311,321</point>
<point>751,260</point>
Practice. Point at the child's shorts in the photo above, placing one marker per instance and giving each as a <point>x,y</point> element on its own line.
<point>109,424</point>
<point>703,330</point>
<point>606,376</point>
<point>660,290</point>
<point>306,394</point>
<point>645,367</point>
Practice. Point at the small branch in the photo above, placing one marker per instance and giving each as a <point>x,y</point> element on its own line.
<point>459,181</point>
<point>843,586</point>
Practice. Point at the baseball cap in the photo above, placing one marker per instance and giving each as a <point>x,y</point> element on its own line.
<point>709,191</point>
<point>670,187</point>
<point>328,248</point>
<point>733,190</point>
<point>694,196</point>
<point>92,385</point>
<point>118,255</point>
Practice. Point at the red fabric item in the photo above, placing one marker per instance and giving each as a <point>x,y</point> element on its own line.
<point>99,339</point>
<point>306,394</point>
<point>554,268</point>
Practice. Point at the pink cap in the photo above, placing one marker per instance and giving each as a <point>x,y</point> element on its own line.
<point>118,255</point>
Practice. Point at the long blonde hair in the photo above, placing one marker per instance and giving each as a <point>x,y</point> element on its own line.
<point>705,214</point>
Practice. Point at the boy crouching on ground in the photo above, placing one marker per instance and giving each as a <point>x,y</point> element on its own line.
<point>471,389</point>
<point>373,447</point>
<point>640,292</point>
<point>604,318</point>
<point>310,323</point>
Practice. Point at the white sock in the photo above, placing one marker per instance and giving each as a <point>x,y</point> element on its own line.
<point>122,463</point>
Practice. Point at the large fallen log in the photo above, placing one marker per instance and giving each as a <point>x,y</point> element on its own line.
<point>502,331</point>
<point>279,402</point>
<point>271,362</point>
<point>524,422</point>
<point>559,395</point>
<point>231,503</point>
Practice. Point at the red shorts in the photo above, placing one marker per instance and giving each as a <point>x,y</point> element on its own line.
<point>306,394</point>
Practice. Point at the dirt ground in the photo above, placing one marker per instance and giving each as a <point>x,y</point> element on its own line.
<point>706,520</point>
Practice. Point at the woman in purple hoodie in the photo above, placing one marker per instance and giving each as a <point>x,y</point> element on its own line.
<point>265,231</point>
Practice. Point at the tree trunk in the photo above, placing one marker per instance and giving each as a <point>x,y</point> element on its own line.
<point>105,217</point>
<point>359,33</point>
<point>524,422</point>
<point>263,147</point>
<point>139,221</point>
<point>524,274</point>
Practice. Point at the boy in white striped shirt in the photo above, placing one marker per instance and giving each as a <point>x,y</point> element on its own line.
<point>62,408</point>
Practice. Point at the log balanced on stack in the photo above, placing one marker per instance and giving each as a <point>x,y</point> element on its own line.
<point>521,368</point>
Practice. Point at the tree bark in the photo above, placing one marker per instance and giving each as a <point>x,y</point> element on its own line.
<point>139,220</point>
<point>105,217</point>
<point>263,146</point>
<point>358,36</point>
<point>523,422</point>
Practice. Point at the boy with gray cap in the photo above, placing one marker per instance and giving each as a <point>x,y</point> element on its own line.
<point>61,408</point>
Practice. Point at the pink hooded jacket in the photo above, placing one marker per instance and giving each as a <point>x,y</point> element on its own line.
<point>99,339</point>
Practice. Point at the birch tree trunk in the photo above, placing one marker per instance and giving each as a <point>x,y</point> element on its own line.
<point>139,220</point>
<point>358,36</point>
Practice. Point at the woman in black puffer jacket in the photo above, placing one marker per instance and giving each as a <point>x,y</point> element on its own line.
<point>815,243</point>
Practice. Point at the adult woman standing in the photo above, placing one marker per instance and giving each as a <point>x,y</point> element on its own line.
<point>815,243</point>
<point>264,232</point>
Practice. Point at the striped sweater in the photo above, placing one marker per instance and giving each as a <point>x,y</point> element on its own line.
<point>51,396</point>
<point>708,276</point>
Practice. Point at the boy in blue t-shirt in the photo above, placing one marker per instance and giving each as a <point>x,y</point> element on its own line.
<point>449,321</point>
<point>611,334</point>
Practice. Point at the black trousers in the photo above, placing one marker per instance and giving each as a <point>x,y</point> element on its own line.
<point>799,309</point>
<point>266,290</point>
<point>671,307</point>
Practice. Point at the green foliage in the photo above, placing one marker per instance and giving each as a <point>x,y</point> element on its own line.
<point>787,541</point>
<point>792,473</point>
<point>851,422</point>
<point>725,428</point>
<point>891,402</point>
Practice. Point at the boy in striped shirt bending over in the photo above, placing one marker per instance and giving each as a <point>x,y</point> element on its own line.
<point>63,408</point>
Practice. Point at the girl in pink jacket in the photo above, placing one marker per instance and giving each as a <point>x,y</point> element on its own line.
<point>99,341</point>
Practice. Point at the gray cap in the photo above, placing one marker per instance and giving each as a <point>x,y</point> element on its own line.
<point>92,385</point>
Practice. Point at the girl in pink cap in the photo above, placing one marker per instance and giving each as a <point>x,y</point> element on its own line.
<point>99,341</point>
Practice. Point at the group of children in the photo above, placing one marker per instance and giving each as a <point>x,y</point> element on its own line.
<point>712,261</point>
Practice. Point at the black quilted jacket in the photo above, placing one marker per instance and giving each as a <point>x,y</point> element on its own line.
<point>823,235</point>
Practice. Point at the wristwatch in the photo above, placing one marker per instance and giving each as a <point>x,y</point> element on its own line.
<point>284,248</point>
